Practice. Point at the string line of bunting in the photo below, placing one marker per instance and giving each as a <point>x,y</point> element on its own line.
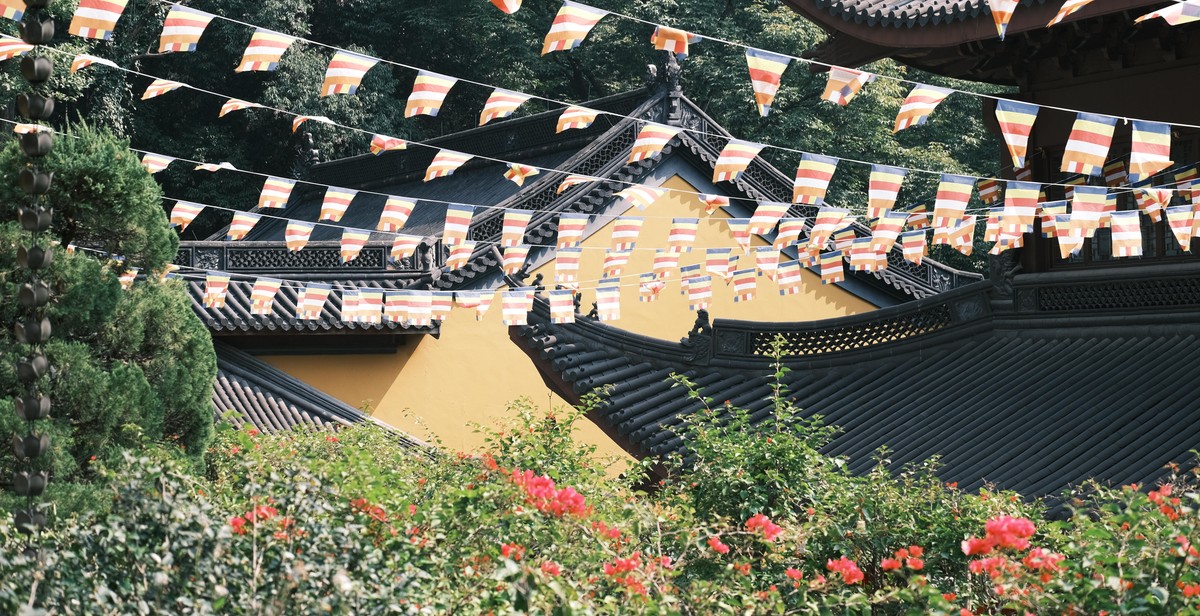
<point>575,20</point>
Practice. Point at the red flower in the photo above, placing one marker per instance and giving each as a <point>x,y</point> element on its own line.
<point>851,574</point>
<point>761,523</point>
<point>623,565</point>
<point>889,564</point>
<point>795,574</point>
<point>976,546</point>
<point>916,551</point>
<point>1009,532</point>
<point>916,564</point>
<point>742,568</point>
<point>551,568</point>
<point>512,550</point>
<point>252,432</point>
<point>239,525</point>
<point>949,596</point>
<point>714,542</point>
<point>331,439</point>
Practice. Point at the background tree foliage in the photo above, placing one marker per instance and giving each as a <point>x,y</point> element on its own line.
<point>472,40</point>
<point>129,365</point>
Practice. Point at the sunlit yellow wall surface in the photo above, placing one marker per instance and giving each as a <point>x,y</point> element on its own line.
<point>443,386</point>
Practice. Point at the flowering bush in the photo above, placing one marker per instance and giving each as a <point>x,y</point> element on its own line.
<point>350,524</point>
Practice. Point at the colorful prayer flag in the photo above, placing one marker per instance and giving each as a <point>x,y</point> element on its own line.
<point>812,178</point>
<point>843,239</point>
<point>641,196</point>
<point>345,73</point>
<point>919,105</point>
<point>445,163</point>
<point>1020,207</point>
<point>887,231</point>
<point>832,270</point>
<point>918,216</point>
<point>574,180</point>
<point>1050,212</point>
<point>264,51</point>
<point>962,236</point>
<point>991,229</point>
<point>699,293</point>
<point>844,84</point>
<point>766,215</point>
<point>673,40</point>
<point>739,231</point>
<point>788,233</point>
<point>615,262</point>
<point>158,87</point>
<point>479,300</point>
<point>430,91</point>
<point>734,158</point>
<point>766,69</point>
<point>828,220</point>
<point>766,260</point>
<point>458,221</point>
<point>718,262</point>
<point>566,265</point>
<point>1153,200</point>
<point>297,233</point>
<point>571,26</point>
<point>275,193</point>
<point>1016,122</point>
<point>790,278</point>
<point>395,214</point>
<point>570,229</point>
<point>1068,7</point>
<point>420,308</point>
<point>349,309</point>
<point>1087,208</point>
<point>95,19</point>
<point>215,167</point>
<point>883,188</point>
<point>508,6</point>
<point>713,202</point>
<point>745,285</point>
<point>1126,234</point>
<point>608,303</point>
<point>562,306</point>
<point>1002,12</point>
<point>182,29</point>
<point>84,60</point>
<point>460,254</point>
<point>242,223</point>
<point>11,48</point>
<point>682,234</point>
<point>665,261</point>
<point>501,104</point>
<point>518,172</point>
<point>1114,173</point>
<point>514,259</point>
<point>649,287</point>
<point>651,140</point>
<point>512,229</point>
<point>383,143</point>
<point>404,246</point>
<point>1176,14</point>
<point>1179,217</point>
<point>954,191</point>
<point>262,295</point>
<point>353,241</point>
<point>862,259</point>
<point>183,213</point>
<point>989,190</point>
<point>625,231</point>
<point>575,117</point>
<point>1087,147</point>
<point>1070,240</point>
<point>153,163</point>
<point>333,207</point>
<point>1070,183</point>
<point>912,243</point>
<point>234,104</point>
<point>215,286</point>
<point>1151,150</point>
<point>311,303</point>
<point>370,306</point>
<point>299,120</point>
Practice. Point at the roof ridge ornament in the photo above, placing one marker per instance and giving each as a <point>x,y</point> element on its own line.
<point>664,76</point>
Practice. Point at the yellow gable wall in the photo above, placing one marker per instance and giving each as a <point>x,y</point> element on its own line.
<point>443,386</point>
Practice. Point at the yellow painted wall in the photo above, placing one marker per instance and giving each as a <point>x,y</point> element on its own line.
<point>443,386</point>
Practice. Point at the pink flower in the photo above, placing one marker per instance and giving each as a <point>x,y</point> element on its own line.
<point>761,523</point>
<point>714,542</point>
<point>889,564</point>
<point>851,574</point>
<point>551,568</point>
<point>512,550</point>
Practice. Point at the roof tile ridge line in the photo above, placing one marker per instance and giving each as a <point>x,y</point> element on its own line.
<point>598,332</point>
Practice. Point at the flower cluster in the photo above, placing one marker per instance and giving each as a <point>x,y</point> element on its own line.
<point>375,512</point>
<point>762,524</point>
<point>258,516</point>
<point>1001,532</point>
<point>1167,505</point>
<point>542,494</point>
<point>512,550</point>
<point>909,557</point>
<point>715,543</point>
<point>851,574</point>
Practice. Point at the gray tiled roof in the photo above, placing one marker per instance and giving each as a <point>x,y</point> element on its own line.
<point>261,395</point>
<point>1077,376</point>
<point>908,13</point>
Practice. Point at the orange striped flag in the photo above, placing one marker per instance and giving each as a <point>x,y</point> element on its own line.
<point>264,51</point>
<point>918,216</point>
<point>1087,147</point>
<point>665,261</point>
<point>766,69</point>
<point>574,180</point>
<point>299,120</point>
<point>333,207</point>
<point>766,260</point>
<point>700,293</point>
<point>153,163</point>
<point>570,229</point>
<point>954,191</point>
<point>844,84</point>
<point>1016,122</point>
<point>182,29</point>
<point>828,220</point>
<point>571,26</point>
<point>682,234</point>
<point>788,233</point>
<point>887,231</point>
<point>1068,8</point>
<point>989,190</point>
<point>1020,207</point>
<point>812,178</point>
<point>262,296</point>
<point>883,189</point>
<point>625,231</point>
<point>11,48</point>
<point>215,286</point>
<point>512,229</point>
<point>790,278</point>
<point>649,287</point>
<point>713,202</point>
<point>991,229</point>
<point>1151,151</point>
<point>1070,239</point>
<point>234,104</point>
<point>651,141</point>
<point>275,192</point>
<point>404,246</point>
<point>395,214</point>
<point>566,265</point>
<point>745,285</point>
<point>1126,234</point>
<point>673,40</point>
<point>242,223</point>
<point>517,173</point>
<point>458,222</point>
<point>312,302</point>
<point>562,306</point>
<point>608,302</point>
<point>575,117</point>
<point>460,254</point>
<point>1087,208</point>
<point>615,262</point>
<point>445,163</point>
<point>481,301</point>
<point>641,196</point>
<point>1114,173</point>
<point>370,306</point>
<point>501,104</point>
<point>739,231</point>
<point>508,6</point>
<point>158,87</point>
<point>383,143</point>
<point>1180,217</point>
<point>1050,212</point>
<point>919,105</point>
<point>93,19</point>
<point>766,215</point>
<point>353,241</point>
<point>735,157</point>
<point>862,258</point>
<point>832,270</point>
<point>183,213</point>
<point>83,60</point>
<point>1176,14</point>
<point>843,239</point>
<point>428,94</point>
<point>345,73</point>
<point>719,262</point>
<point>297,233</point>
<point>1002,12</point>
<point>420,308</point>
<point>514,259</point>
<point>912,243</point>
<point>962,236</point>
<point>349,308</point>
<point>1153,200</point>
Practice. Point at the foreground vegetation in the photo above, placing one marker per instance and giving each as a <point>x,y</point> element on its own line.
<point>757,521</point>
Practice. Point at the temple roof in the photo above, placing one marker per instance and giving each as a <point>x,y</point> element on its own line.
<point>1034,385</point>
<point>260,395</point>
